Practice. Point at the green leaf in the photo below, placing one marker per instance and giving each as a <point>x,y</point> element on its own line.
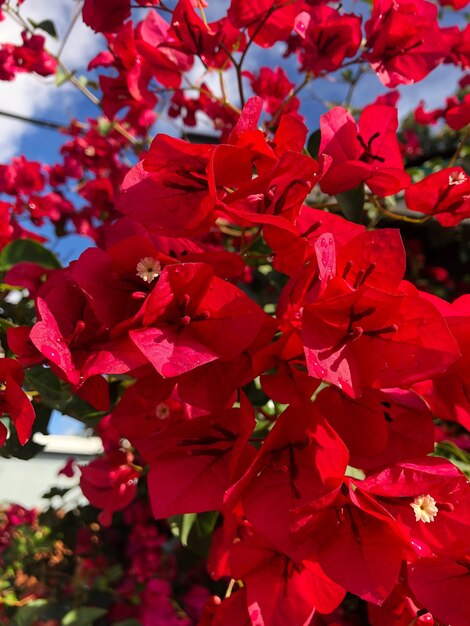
<point>195,530</point>
<point>181,525</point>
<point>47,26</point>
<point>57,394</point>
<point>105,126</point>
<point>6,324</point>
<point>55,491</point>
<point>351,203</point>
<point>62,77</point>
<point>128,622</point>
<point>53,392</point>
<point>84,616</point>
<point>313,144</point>
<point>27,250</point>
<point>28,614</point>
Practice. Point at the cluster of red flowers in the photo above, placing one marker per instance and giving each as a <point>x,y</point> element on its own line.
<point>29,57</point>
<point>324,486</point>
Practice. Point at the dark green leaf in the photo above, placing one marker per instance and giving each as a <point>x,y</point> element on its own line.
<point>28,614</point>
<point>84,616</point>
<point>27,250</point>
<point>57,394</point>
<point>56,491</point>
<point>181,525</point>
<point>351,203</point>
<point>47,26</point>
<point>313,144</point>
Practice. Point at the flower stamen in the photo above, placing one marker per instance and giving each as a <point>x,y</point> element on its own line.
<point>148,269</point>
<point>425,508</point>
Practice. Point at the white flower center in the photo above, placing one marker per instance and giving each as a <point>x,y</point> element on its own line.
<point>162,411</point>
<point>148,268</point>
<point>457,178</point>
<point>425,508</point>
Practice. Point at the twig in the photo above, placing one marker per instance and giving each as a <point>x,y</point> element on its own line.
<point>33,120</point>
<point>462,142</point>
<point>73,21</point>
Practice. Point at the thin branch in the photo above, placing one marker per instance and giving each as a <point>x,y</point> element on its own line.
<point>308,78</point>
<point>15,15</point>
<point>462,143</point>
<point>33,120</point>
<point>353,84</point>
<point>73,21</point>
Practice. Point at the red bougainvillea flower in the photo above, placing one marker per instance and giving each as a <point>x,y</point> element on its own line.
<point>71,338</point>
<point>110,483</point>
<point>303,459</point>
<point>327,38</point>
<point>294,245</point>
<point>444,195</point>
<point>273,86</point>
<point>267,21</point>
<point>14,402</point>
<point>458,114</point>
<point>106,16</point>
<point>212,42</point>
<point>193,463</point>
<point>32,57</point>
<point>179,189</point>
<point>430,496</point>
<point>279,590</point>
<point>365,152</point>
<point>404,40</point>
<point>167,192</point>
<point>399,609</point>
<point>362,338</point>
<point>448,395</point>
<point>380,428</point>
<point>442,585</point>
<point>192,317</point>
<point>353,524</point>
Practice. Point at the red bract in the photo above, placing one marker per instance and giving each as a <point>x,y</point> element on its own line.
<point>106,16</point>
<point>399,609</point>
<point>367,152</point>
<point>354,526</point>
<point>302,460</point>
<point>14,402</point>
<point>443,586</point>
<point>380,428</point>
<point>273,86</point>
<point>448,394</point>
<point>430,497</point>
<point>279,590</point>
<point>327,38</point>
<point>363,338</point>
<point>192,317</point>
<point>110,483</point>
<point>160,60</point>
<point>458,113</point>
<point>444,195</point>
<point>192,464</point>
<point>32,57</point>
<point>213,43</point>
<point>71,338</point>
<point>267,21</point>
<point>167,192</point>
<point>404,40</point>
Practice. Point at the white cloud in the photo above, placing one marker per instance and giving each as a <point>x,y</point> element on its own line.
<point>33,96</point>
